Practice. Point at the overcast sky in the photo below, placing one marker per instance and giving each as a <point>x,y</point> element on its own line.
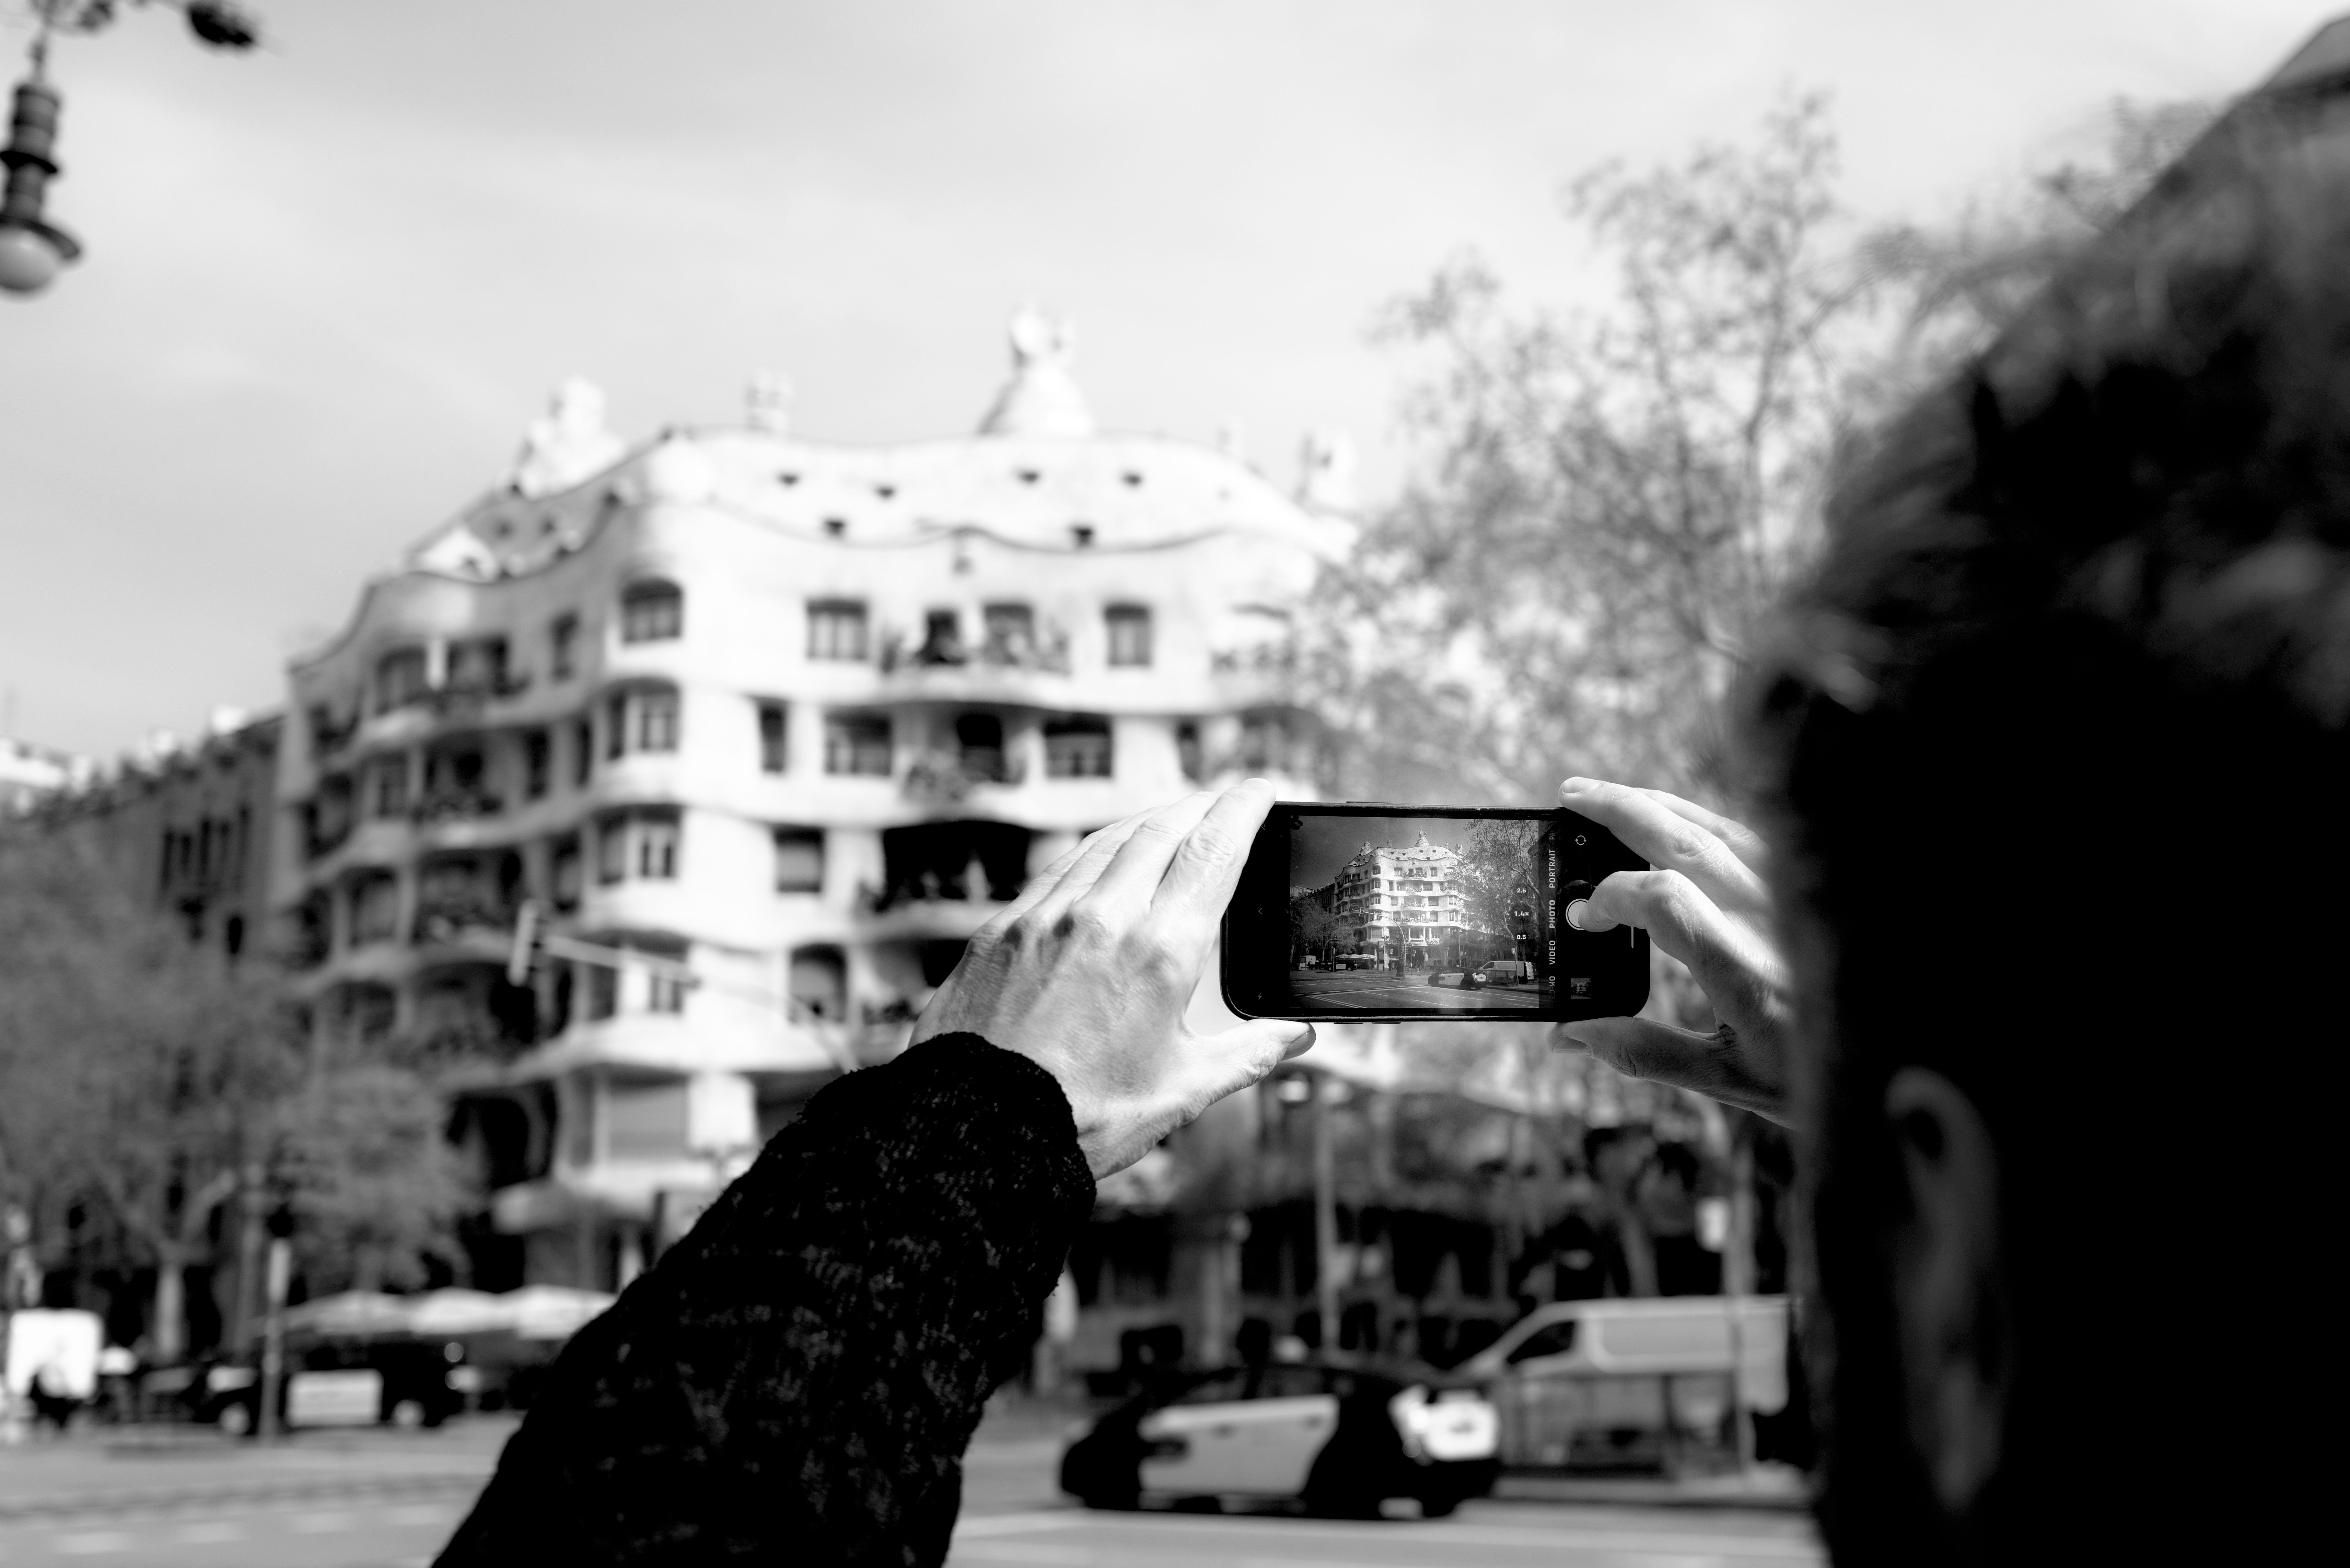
<point>327,285</point>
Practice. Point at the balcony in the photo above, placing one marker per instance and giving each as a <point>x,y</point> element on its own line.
<point>456,803</point>
<point>446,916</point>
<point>462,698</point>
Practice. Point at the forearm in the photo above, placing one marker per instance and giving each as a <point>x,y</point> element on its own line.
<point>799,1376</point>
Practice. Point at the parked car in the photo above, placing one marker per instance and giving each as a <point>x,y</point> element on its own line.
<point>1356,960</point>
<point>1459,979</point>
<point>1631,1383</point>
<point>338,1382</point>
<point>1329,1437</point>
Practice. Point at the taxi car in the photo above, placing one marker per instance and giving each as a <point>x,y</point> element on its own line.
<point>1327,1437</point>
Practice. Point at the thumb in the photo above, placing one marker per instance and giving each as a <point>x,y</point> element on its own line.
<point>1234,1058</point>
<point>1642,1048</point>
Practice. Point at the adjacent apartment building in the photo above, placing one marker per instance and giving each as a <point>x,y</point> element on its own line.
<point>779,722</point>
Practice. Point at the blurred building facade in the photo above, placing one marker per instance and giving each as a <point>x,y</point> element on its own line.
<point>186,824</point>
<point>783,720</point>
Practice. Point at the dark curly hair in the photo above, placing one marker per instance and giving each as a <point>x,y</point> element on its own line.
<point>2055,744</point>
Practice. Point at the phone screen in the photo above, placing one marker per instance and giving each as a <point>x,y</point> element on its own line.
<point>1380,912</point>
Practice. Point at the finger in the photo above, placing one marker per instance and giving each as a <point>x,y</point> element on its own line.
<point>1039,886</point>
<point>1708,1064</point>
<point>1133,874</point>
<point>1736,837</point>
<point>1208,865</point>
<point>1094,857</point>
<point>1665,838</point>
<point>1735,970</point>
<point>1232,1059</point>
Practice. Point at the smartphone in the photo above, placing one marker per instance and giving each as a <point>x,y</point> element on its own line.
<point>1368,912</point>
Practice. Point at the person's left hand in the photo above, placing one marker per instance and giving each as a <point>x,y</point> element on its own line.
<point>1088,971</point>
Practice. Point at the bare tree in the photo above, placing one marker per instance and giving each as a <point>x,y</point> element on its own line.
<point>1608,500</point>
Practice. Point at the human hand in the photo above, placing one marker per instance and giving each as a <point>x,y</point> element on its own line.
<point>1706,904</point>
<point>1088,971</point>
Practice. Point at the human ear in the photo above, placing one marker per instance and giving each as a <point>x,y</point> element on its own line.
<point>1957,1339</point>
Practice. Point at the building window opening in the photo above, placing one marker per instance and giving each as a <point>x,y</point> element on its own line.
<point>538,763</point>
<point>640,719</point>
<point>400,679</point>
<point>979,746</point>
<point>387,786</point>
<point>583,753</point>
<point>819,983</point>
<point>1188,756</point>
<point>799,860</point>
<point>1077,747</point>
<point>603,991</point>
<point>836,527</point>
<point>640,845</point>
<point>665,987</point>
<point>941,640</point>
<point>478,667</point>
<point>837,630</point>
<point>857,743</point>
<point>1011,634</point>
<point>772,736</point>
<point>652,611</point>
<point>563,874</point>
<point>456,785</point>
<point>1129,635</point>
<point>375,908</point>
<point>952,861</point>
<point>563,647</point>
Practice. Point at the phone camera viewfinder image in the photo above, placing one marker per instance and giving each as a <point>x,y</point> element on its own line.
<point>1380,913</point>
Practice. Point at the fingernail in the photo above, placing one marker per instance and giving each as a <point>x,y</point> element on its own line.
<point>1577,783</point>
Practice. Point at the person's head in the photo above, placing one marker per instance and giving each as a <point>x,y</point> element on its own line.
<point>2055,748</point>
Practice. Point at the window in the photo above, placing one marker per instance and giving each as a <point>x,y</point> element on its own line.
<point>385,787</point>
<point>1011,634</point>
<point>1077,747</point>
<point>1551,1339</point>
<point>603,991</point>
<point>941,638</point>
<point>836,629</point>
<point>563,647</point>
<point>799,860</point>
<point>399,679</point>
<point>478,665</point>
<point>583,753</point>
<point>564,874</point>
<point>1187,755</point>
<point>375,908</point>
<point>664,992</point>
<point>857,743</point>
<point>640,719</point>
<point>1129,634</point>
<point>819,982</point>
<point>652,611</point>
<point>979,742</point>
<point>538,763</point>
<point>773,752</point>
<point>641,844</point>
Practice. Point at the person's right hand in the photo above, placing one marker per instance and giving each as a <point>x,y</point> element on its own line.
<point>1706,904</point>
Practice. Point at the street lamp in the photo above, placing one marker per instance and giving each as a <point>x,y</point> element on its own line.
<point>32,248</point>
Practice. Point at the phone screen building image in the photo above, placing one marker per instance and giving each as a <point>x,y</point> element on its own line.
<point>1409,913</point>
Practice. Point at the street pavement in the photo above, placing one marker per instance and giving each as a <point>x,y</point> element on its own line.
<point>381,1500</point>
<point>1385,991</point>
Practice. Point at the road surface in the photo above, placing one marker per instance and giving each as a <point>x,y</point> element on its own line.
<point>1385,991</point>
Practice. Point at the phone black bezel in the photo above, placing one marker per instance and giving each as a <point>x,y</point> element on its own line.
<point>1606,853</point>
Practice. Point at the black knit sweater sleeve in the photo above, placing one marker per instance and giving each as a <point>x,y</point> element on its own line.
<point>797,1380</point>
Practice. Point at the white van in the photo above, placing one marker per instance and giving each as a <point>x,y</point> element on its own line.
<point>1619,1381</point>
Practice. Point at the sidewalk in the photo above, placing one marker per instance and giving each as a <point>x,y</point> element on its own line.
<point>1773,1487</point>
<point>163,1468</point>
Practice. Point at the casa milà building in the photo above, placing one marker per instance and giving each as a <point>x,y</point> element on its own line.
<point>783,720</point>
